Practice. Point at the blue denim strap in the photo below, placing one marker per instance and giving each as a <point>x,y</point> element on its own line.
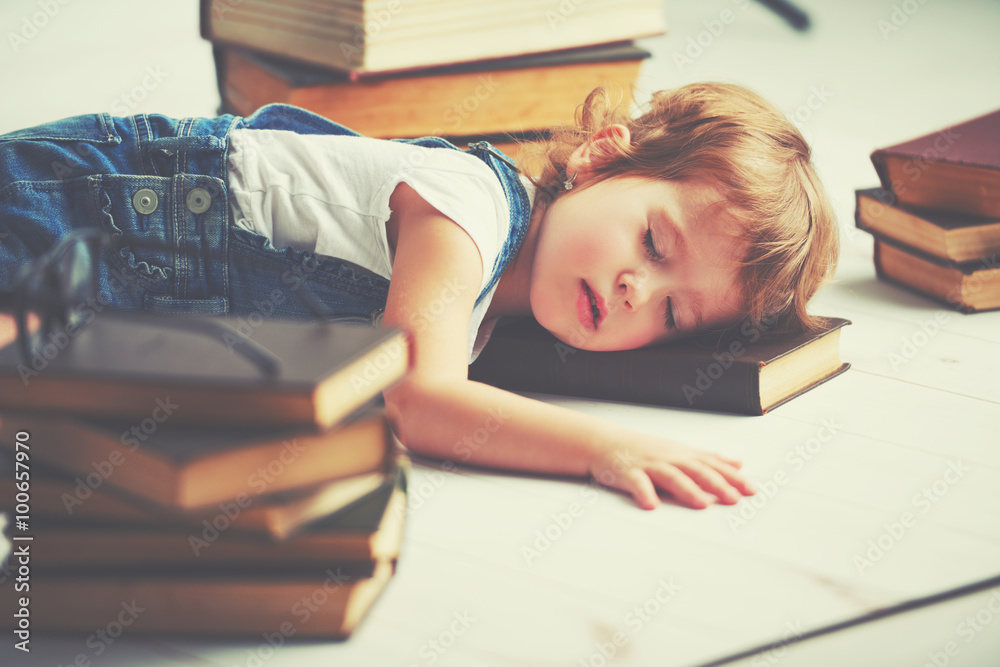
<point>517,200</point>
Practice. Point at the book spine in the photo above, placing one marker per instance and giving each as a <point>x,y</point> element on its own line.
<point>634,376</point>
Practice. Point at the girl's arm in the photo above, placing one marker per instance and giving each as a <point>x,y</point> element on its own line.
<point>437,409</point>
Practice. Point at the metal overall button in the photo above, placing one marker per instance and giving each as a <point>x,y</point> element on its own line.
<point>198,200</point>
<point>145,201</point>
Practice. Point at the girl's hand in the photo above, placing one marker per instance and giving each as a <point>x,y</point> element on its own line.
<point>693,477</point>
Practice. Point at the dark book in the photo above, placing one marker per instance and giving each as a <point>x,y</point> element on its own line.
<point>965,286</point>
<point>185,467</point>
<point>134,366</point>
<point>470,99</point>
<point>371,36</point>
<point>750,371</point>
<point>949,236</point>
<point>59,497</point>
<point>956,169</point>
<point>370,529</point>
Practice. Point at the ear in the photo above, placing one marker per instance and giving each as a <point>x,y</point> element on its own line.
<point>604,145</point>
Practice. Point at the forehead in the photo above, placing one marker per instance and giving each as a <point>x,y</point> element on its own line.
<point>711,250</point>
<point>697,211</point>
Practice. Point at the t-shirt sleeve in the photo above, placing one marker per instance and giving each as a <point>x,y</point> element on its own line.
<point>462,188</point>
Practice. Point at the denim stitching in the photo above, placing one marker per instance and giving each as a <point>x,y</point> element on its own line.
<point>125,252</point>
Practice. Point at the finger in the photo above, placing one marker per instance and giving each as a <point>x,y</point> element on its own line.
<point>680,486</point>
<point>637,482</point>
<point>734,477</point>
<point>711,480</point>
<point>735,463</point>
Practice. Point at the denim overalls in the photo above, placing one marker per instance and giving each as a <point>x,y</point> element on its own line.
<point>162,181</point>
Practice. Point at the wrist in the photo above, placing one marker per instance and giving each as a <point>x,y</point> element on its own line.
<point>610,451</point>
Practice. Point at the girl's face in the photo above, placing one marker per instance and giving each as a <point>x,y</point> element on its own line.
<point>627,262</point>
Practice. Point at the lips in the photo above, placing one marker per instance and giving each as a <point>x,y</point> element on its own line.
<point>590,308</point>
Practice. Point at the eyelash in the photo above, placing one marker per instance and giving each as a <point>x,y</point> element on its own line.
<point>647,241</point>
<point>651,252</point>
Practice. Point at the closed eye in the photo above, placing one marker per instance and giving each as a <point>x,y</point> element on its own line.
<point>651,251</point>
<point>669,321</point>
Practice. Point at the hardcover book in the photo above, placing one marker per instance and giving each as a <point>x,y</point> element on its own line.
<point>370,530</point>
<point>59,497</point>
<point>956,169</point>
<point>750,372</point>
<point>472,99</point>
<point>233,602</point>
<point>134,365</point>
<point>234,586</point>
<point>953,237</point>
<point>967,286</point>
<point>373,36</point>
<point>185,466</point>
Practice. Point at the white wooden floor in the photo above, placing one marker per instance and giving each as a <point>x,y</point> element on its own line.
<point>842,468</point>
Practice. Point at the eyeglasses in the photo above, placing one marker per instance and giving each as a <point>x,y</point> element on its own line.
<point>55,287</point>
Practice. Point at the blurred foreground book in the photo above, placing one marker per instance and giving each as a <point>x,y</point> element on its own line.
<point>189,369</point>
<point>174,582</point>
<point>195,526</point>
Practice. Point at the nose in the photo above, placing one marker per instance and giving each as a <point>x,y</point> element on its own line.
<point>634,288</point>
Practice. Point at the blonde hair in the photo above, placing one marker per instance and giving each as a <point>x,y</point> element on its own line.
<point>733,137</point>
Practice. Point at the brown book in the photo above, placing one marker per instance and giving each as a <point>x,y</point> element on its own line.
<point>324,594</point>
<point>232,602</point>
<point>373,36</point>
<point>967,286</point>
<point>471,100</point>
<point>956,169</point>
<point>950,236</point>
<point>185,467</point>
<point>750,371</point>
<point>368,530</point>
<point>186,368</point>
<point>57,496</point>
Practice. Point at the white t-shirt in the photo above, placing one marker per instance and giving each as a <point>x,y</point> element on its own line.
<point>329,194</point>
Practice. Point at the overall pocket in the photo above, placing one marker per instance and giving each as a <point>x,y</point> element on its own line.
<point>169,240</point>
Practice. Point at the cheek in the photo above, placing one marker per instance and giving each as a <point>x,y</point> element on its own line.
<point>584,251</point>
<point>583,239</point>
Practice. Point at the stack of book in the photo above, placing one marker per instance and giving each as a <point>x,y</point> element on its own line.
<point>475,70</point>
<point>152,475</point>
<point>936,218</point>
